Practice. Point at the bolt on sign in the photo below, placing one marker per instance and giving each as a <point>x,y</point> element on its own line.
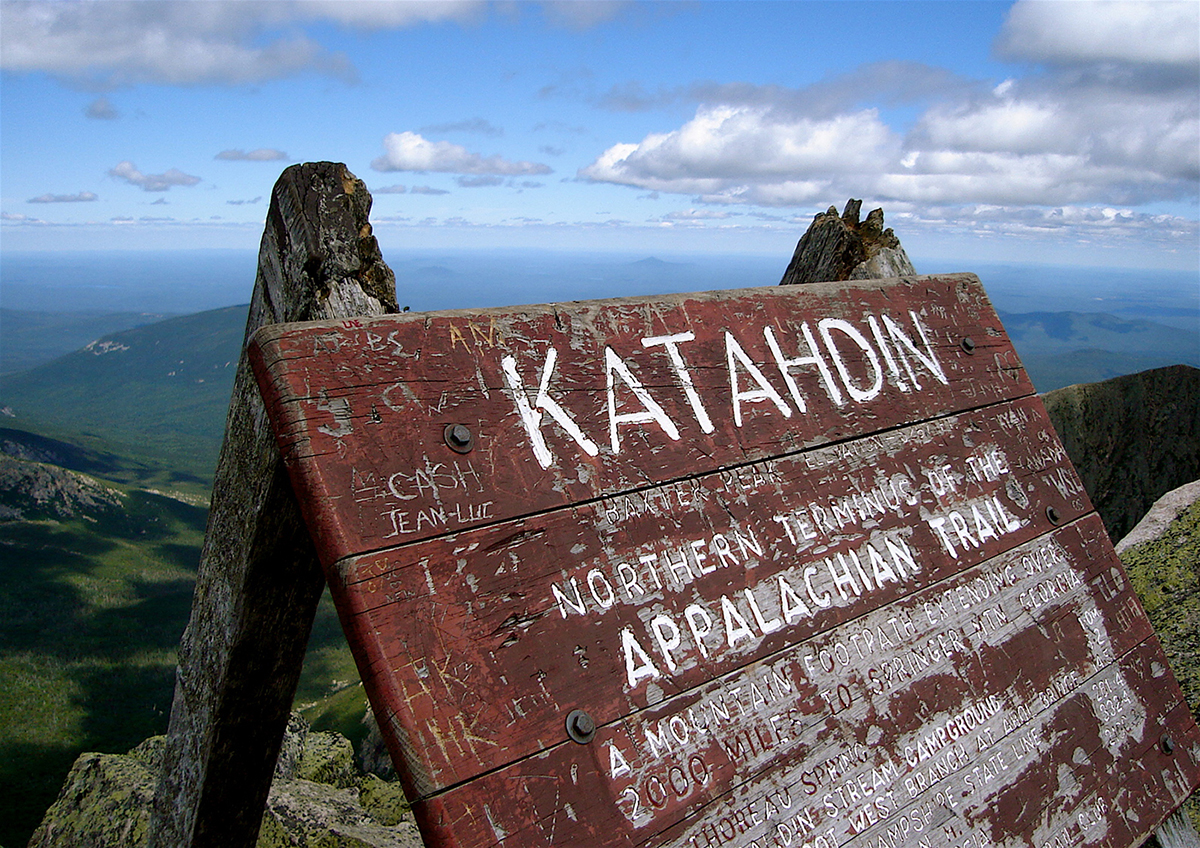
<point>790,566</point>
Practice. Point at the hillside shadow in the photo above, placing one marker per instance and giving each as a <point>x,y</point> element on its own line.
<point>39,607</point>
<point>124,706</point>
<point>91,613</point>
<point>119,666</point>
<point>327,657</point>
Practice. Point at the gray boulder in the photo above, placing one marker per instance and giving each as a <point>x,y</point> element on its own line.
<point>318,797</point>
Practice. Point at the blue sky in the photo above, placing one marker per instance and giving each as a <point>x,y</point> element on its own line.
<point>1060,132</point>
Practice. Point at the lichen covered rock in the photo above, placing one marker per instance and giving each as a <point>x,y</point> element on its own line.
<point>319,799</point>
<point>304,813</point>
<point>1162,556</point>
<point>104,803</point>
<point>328,758</point>
<point>383,800</point>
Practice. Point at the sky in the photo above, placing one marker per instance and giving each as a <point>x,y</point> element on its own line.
<point>1037,131</point>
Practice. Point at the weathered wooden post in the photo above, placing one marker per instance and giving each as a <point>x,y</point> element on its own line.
<point>259,580</point>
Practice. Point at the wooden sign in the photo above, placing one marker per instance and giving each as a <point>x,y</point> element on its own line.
<point>792,566</point>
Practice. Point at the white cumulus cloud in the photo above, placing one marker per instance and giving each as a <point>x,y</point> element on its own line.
<point>750,154</point>
<point>1075,133</point>
<point>373,14</point>
<point>696,215</point>
<point>409,151</point>
<point>126,42</point>
<point>1135,31</point>
<point>190,42</point>
<point>129,172</point>
<point>16,218</point>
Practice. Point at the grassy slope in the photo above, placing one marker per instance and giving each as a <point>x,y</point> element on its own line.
<point>91,609</point>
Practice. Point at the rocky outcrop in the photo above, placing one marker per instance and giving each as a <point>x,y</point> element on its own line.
<point>318,797</point>
<point>840,247</point>
<point>373,756</point>
<point>1162,556</point>
<point>33,490</point>
<point>105,801</point>
<point>1132,439</point>
<point>1155,523</point>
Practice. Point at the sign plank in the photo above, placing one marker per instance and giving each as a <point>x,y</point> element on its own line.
<point>787,566</point>
<point>568,403</point>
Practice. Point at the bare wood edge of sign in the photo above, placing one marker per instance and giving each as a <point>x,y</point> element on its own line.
<point>259,580</point>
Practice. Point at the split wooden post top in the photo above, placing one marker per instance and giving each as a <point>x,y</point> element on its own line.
<point>259,581</point>
<point>791,566</point>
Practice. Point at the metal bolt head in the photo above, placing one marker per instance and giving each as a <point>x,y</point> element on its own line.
<point>1053,515</point>
<point>1167,743</point>
<point>458,437</point>
<point>580,727</point>
<point>967,344</point>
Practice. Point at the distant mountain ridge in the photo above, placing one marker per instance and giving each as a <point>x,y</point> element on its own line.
<point>35,338</point>
<point>1064,348</point>
<point>1047,332</point>
<point>162,389</point>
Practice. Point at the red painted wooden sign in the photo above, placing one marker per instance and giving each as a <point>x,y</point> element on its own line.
<point>797,566</point>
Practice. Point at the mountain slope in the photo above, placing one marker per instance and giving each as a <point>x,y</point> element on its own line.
<point>1132,439</point>
<point>95,586</point>
<point>160,390</point>
<point>1051,332</point>
<point>96,583</point>
<point>34,338</point>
